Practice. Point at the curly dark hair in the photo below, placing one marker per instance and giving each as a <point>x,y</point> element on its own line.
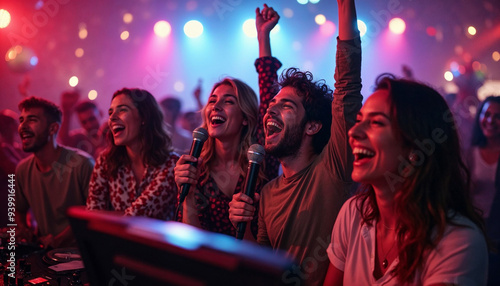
<point>50,109</point>
<point>155,143</point>
<point>438,188</point>
<point>317,102</point>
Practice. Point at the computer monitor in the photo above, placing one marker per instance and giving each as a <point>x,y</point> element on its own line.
<point>119,250</point>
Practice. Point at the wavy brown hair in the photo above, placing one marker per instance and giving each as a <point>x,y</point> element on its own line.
<point>156,145</point>
<point>428,197</point>
<point>247,102</point>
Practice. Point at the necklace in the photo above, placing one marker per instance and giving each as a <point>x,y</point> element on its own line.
<point>385,263</point>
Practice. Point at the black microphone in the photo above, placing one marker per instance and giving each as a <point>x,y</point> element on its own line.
<point>255,156</point>
<point>200,135</point>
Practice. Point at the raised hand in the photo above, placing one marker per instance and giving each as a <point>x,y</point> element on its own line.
<point>69,100</point>
<point>265,20</point>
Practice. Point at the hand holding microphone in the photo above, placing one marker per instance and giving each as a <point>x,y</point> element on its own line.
<point>255,155</point>
<point>200,135</point>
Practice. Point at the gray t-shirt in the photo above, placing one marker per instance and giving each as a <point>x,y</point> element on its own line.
<point>49,194</point>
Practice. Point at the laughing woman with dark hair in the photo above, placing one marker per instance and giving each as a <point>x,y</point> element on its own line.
<point>413,222</point>
<point>134,175</point>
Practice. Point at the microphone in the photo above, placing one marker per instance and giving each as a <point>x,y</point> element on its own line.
<point>255,156</point>
<point>200,135</point>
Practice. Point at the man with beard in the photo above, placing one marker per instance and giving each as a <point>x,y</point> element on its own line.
<point>52,179</point>
<point>298,209</point>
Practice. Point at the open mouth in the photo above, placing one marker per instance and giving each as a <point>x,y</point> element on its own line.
<point>217,120</point>
<point>117,129</point>
<point>26,135</point>
<point>361,153</point>
<point>273,127</point>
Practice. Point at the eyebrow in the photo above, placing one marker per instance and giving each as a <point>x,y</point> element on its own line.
<point>285,100</point>
<point>29,116</point>
<point>372,114</point>
<point>118,106</point>
<point>224,95</point>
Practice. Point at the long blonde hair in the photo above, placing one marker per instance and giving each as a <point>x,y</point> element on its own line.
<point>247,102</point>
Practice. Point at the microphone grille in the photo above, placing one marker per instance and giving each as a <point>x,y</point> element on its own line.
<point>200,134</point>
<point>256,153</point>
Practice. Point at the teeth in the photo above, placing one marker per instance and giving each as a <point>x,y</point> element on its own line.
<point>116,127</point>
<point>274,124</point>
<point>218,118</point>
<point>26,135</point>
<point>363,152</point>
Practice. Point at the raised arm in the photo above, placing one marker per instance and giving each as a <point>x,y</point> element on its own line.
<point>348,20</point>
<point>345,106</point>
<point>265,21</point>
<point>347,96</point>
<point>267,68</point>
<point>68,102</point>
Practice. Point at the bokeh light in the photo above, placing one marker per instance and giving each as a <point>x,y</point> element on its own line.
<point>83,33</point>
<point>21,59</point>
<point>303,2</point>
<point>448,76</point>
<point>476,66</point>
<point>287,12</point>
<point>362,28</point>
<point>431,31</point>
<point>162,29</point>
<point>4,18</point>
<point>92,94</point>
<point>124,35</point>
<point>461,69</point>
<point>471,30</point>
<point>73,81</point>
<point>193,29</point>
<point>33,60</point>
<point>327,29</point>
<point>320,19</point>
<point>314,1</point>
<point>496,56</point>
<point>249,28</point>
<point>128,18</point>
<point>397,26</point>
<point>179,86</point>
<point>79,52</point>
<point>276,29</point>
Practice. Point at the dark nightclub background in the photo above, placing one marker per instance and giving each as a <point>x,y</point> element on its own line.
<point>111,44</point>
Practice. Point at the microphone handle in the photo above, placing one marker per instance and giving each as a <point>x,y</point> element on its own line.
<point>195,152</point>
<point>250,182</point>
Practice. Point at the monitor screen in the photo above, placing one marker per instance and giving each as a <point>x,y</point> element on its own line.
<point>118,250</point>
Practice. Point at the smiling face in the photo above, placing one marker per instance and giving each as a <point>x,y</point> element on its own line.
<point>223,115</point>
<point>124,121</point>
<point>34,129</point>
<point>284,123</point>
<point>489,120</point>
<point>90,120</point>
<point>376,148</point>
